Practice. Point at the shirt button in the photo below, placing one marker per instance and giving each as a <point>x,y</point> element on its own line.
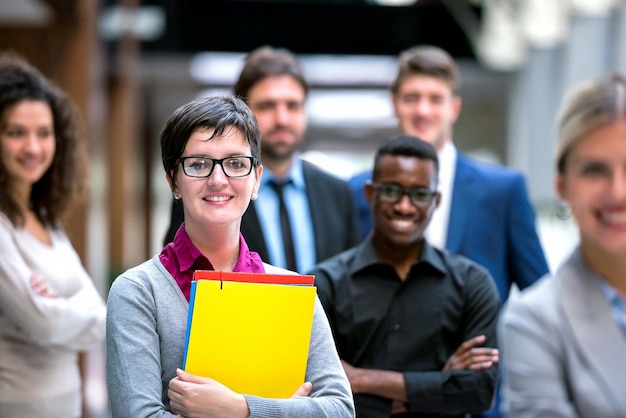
<point>396,327</point>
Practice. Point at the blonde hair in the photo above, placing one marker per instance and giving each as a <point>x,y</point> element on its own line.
<point>588,107</point>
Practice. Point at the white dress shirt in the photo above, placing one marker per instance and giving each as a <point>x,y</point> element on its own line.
<point>437,231</point>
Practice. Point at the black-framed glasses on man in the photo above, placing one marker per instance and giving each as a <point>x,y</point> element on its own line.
<point>201,166</point>
<point>392,193</point>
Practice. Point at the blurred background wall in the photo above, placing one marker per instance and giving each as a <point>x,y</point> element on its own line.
<point>129,64</point>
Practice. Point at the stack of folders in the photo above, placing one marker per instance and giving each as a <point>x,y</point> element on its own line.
<point>250,331</point>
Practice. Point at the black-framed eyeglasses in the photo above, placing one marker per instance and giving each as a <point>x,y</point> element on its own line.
<point>392,193</point>
<point>201,166</point>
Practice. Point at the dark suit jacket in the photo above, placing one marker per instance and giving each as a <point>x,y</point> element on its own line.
<point>333,212</point>
<point>491,222</point>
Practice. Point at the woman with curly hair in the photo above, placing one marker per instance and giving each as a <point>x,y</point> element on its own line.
<point>50,310</point>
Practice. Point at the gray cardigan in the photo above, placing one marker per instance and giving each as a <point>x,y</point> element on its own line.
<point>145,337</point>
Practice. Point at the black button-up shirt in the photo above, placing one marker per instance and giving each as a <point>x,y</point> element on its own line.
<point>412,326</point>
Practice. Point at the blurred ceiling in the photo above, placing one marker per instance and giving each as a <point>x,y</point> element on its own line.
<point>315,26</point>
<point>348,48</point>
<point>33,12</point>
<point>361,27</point>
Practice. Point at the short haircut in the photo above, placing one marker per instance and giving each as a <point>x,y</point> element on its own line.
<point>588,107</point>
<point>407,146</point>
<point>427,60</point>
<point>264,62</point>
<point>53,194</point>
<point>218,113</point>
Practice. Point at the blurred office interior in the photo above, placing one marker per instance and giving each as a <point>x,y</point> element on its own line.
<point>129,64</point>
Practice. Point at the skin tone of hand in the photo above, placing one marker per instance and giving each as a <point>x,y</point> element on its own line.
<point>41,287</point>
<point>194,397</point>
<point>390,384</point>
<point>470,357</point>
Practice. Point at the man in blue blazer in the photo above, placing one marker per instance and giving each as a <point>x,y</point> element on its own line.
<point>485,212</point>
<point>321,213</point>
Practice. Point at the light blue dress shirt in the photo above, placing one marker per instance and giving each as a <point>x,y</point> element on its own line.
<point>618,306</point>
<point>297,204</point>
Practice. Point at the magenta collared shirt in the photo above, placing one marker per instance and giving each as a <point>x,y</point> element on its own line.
<point>181,258</point>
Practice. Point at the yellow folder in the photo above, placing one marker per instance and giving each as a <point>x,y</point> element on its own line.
<point>252,337</point>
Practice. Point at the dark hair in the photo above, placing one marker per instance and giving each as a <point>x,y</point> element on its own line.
<point>265,62</point>
<point>588,107</point>
<point>52,194</point>
<point>429,61</point>
<point>219,113</point>
<point>408,146</point>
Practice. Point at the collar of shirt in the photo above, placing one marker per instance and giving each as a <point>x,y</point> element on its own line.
<point>181,258</point>
<point>297,203</point>
<point>616,302</point>
<point>366,258</point>
<point>295,174</point>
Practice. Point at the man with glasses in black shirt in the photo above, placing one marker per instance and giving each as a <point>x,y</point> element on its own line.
<point>415,326</point>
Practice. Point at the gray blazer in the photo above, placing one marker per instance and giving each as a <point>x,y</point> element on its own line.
<point>562,352</point>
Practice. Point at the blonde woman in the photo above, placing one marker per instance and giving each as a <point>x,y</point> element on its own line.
<point>563,343</point>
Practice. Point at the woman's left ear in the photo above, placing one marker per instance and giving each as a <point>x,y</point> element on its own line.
<point>173,187</point>
<point>255,190</point>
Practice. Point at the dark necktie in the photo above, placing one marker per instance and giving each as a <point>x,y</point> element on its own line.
<point>285,226</point>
